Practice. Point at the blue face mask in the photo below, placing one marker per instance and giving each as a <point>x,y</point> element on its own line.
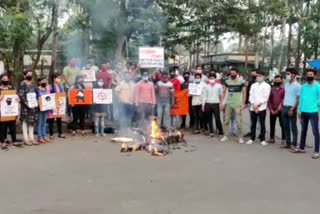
<point>260,80</point>
<point>288,78</point>
<point>197,80</point>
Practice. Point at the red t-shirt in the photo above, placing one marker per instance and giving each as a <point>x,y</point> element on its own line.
<point>176,83</point>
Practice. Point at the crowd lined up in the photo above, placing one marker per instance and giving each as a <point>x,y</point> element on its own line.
<point>138,95</point>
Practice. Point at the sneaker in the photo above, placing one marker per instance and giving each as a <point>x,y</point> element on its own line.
<point>283,142</point>
<point>224,139</point>
<point>97,135</point>
<point>271,141</point>
<point>315,155</point>
<point>211,135</point>
<point>103,135</point>
<point>264,143</point>
<point>249,142</point>
<point>241,141</point>
<point>247,135</point>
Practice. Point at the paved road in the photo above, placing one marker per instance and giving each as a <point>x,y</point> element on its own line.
<point>89,176</point>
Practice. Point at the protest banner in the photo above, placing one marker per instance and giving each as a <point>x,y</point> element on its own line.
<point>61,109</point>
<point>181,104</point>
<point>9,106</point>
<point>88,75</point>
<point>47,102</point>
<point>32,100</point>
<point>195,89</point>
<point>102,96</point>
<point>80,96</point>
<point>151,57</point>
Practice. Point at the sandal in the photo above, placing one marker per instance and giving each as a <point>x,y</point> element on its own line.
<point>17,144</point>
<point>298,151</point>
<point>28,143</point>
<point>285,147</point>
<point>73,133</point>
<point>34,142</point>
<point>4,146</point>
<point>62,136</point>
<point>41,141</point>
<point>51,138</point>
<point>83,133</point>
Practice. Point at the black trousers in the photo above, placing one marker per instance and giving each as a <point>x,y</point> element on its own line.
<point>51,125</point>
<point>262,119</point>
<point>198,117</point>
<point>214,109</point>
<point>184,117</point>
<point>79,113</point>
<point>273,120</point>
<point>4,126</point>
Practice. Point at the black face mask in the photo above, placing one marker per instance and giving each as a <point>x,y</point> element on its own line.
<point>172,76</point>
<point>186,78</point>
<point>5,83</point>
<point>254,77</point>
<point>310,79</point>
<point>233,77</point>
<point>277,83</point>
<point>43,85</point>
<point>29,78</point>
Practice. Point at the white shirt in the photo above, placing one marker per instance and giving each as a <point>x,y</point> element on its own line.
<point>2,69</point>
<point>259,95</point>
<point>212,93</point>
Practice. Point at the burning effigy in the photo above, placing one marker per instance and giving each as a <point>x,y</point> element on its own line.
<point>157,143</point>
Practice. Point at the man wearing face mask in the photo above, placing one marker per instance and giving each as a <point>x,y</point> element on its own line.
<point>145,101</point>
<point>259,96</point>
<point>212,94</point>
<point>173,79</point>
<point>125,94</point>
<point>234,96</point>
<point>275,105</point>
<point>199,70</point>
<point>289,110</point>
<point>185,85</point>
<point>196,105</point>
<point>250,83</point>
<point>178,76</point>
<point>308,110</point>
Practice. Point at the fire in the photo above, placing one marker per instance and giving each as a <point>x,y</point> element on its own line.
<point>154,129</point>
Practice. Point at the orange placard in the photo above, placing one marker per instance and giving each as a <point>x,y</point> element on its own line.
<point>181,106</point>
<point>61,109</point>
<point>80,96</point>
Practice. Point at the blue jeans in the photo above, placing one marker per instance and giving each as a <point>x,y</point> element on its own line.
<point>314,119</point>
<point>126,111</point>
<point>233,123</point>
<point>41,124</point>
<point>163,109</point>
<point>290,125</point>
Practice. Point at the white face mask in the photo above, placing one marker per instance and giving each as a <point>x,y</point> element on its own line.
<point>145,78</point>
<point>177,72</point>
<point>212,81</point>
<point>100,84</point>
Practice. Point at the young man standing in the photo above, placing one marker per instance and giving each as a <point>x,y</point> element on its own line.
<point>165,96</point>
<point>145,100</point>
<point>212,94</point>
<point>289,110</point>
<point>234,96</point>
<point>308,110</point>
<point>275,105</point>
<point>185,85</point>
<point>259,96</point>
<point>196,104</point>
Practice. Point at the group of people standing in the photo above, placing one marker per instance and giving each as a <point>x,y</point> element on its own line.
<point>139,96</point>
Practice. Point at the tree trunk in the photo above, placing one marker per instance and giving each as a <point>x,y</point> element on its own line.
<point>304,41</point>
<point>54,39</point>
<point>298,51</point>
<point>240,43</point>
<point>289,44</point>
<point>264,45</point>
<point>256,50</point>
<point>120,41</point>
<point>272,45</point>
<point>246,56</point>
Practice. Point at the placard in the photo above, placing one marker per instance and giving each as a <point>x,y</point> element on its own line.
<point>32,100</point>
<point>181,103</point>
<point>80,96</point>
<point>195,89</point>
<point>88,75</point>
<point>9,106</point>
<point>102,96</point>
<point>47,102</point>
<point>151,57</point>
<point>61,109</point>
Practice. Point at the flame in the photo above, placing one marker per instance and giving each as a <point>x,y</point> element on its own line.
<point>154,129</point>
<point>156,153</point>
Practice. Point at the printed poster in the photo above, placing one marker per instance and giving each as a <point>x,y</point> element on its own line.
<point>195,89</point>
<point>80,96</point>
<point>88,75</point>
<point>181,104</point>
<point>61,109</point>
<point>47,102</point>
<point>102,96</point>
<point>151,57</point>
<point>9,106</point>
<point>32,100</point>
